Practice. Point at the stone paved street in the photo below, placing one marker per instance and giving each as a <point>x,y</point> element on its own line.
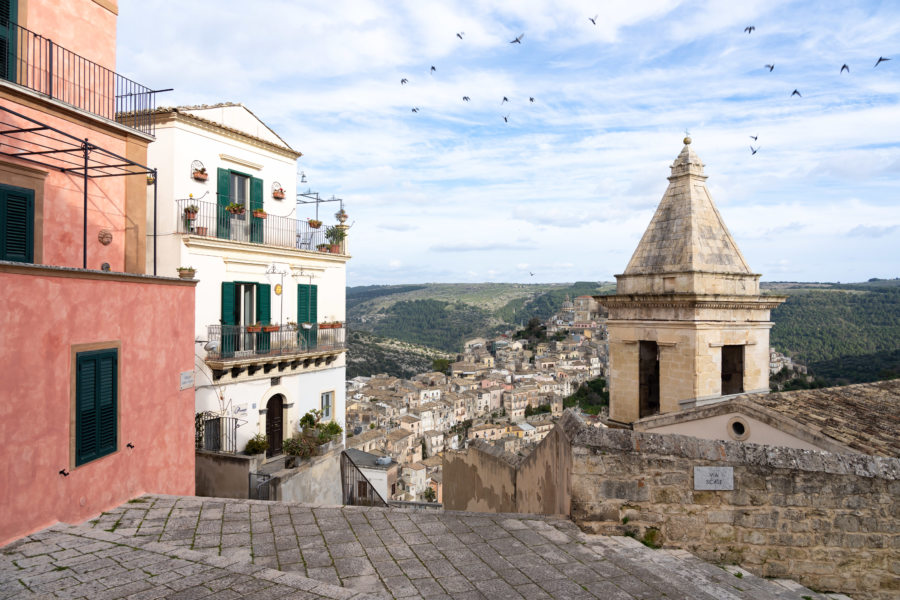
<point>187,547</point>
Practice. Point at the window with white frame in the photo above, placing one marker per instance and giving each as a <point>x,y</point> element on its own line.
<point>327,403</point>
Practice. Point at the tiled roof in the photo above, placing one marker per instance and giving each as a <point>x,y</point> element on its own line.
<point>864,417</point>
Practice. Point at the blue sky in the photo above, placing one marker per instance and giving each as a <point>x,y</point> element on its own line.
<point>566,187</point>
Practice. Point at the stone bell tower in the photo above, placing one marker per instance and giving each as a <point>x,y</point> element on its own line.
<point>687,324</point>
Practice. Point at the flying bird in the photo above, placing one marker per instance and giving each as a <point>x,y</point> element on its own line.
<point>404,81</point>
<point>753,150</point>
<point>750,29</point>
<point>881,59</point>
<point>433,68</point>
<point>770,68</point>
<point>506,119</point>
<point>753,137</point>
<point>460,34</point>
<point>466,98</point>
<point>796,93</point>
<point>505,99</point>
<point>844,67</point>
<point>530,273</point>
<point>594,20</point>
<point>416,109</point>
<point>518,40</point>
<point>531,99</point>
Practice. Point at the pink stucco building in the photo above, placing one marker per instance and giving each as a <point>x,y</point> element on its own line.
<point>93,406</point>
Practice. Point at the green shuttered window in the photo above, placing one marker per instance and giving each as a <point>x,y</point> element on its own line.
<point>16,224</point>
<point>96,404</point>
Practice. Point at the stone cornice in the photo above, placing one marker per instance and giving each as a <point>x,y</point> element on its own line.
<point>691,301</point>
<point>76,273</point>
<point>169,116</point>
<point>262,251</point>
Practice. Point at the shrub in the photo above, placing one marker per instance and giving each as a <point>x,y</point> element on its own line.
<point>257,444</point>
<point>298,446</point>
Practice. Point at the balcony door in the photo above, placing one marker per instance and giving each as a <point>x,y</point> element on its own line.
<point>244,304</point>
<point>236,189</point>
<point>9,16</point>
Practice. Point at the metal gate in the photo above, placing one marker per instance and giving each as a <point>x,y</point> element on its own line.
<point>259,486</point>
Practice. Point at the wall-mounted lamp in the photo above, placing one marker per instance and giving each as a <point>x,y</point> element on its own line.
<point>302,177</point>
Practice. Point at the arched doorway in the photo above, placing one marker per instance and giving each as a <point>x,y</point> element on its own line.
<point>275,424</point>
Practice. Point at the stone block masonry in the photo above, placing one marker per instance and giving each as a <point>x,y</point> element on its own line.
<point>830,521</point>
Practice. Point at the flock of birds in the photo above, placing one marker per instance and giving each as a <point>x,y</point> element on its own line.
<point>460,35</point>
<point>518,40</point>
<point>771,67</point>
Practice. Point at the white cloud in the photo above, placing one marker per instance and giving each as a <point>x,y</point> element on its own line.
<point>454,190</point>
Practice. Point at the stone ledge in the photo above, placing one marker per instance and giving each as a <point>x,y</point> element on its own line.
<point>588,438</point>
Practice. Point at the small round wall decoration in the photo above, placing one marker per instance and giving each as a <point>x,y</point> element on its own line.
<point>105,236</point>
<point>277,289</point>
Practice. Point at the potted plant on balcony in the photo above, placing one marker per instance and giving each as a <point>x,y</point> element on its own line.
<point>306,325</point>
<point>278,193</point>
<point>236,208</point>
<point>335,234</point>
<point>271,328</point>
<point>186,272</point>
<point>341,216</point>
<point>190,211</point>
<point>200,174</point>
<point>254,328</point>
<point>259,213</point>
<point>314,223</point>
<point>330,325</point>
<point>322,247</point>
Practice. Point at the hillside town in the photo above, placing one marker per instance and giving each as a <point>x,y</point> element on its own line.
<point>509,391</point>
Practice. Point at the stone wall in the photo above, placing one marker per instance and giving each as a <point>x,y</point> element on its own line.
<point>315,481</point>
<point>480,480</point>
<point>221,475</point>
<point>830,521</point>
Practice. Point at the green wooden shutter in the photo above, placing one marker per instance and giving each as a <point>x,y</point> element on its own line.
<point>307,312</point>
<point>263,315</point>
<point>16,224</point>
<point>223,195</point>
<point>9,16</point>
<point>229,320</point>
<point>256,202</point>
<point>96,404</point>
<point>264,303</point>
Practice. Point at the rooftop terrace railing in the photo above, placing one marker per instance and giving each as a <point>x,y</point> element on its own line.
<point>37,63</point>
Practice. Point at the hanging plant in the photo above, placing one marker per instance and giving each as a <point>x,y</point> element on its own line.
<point>259,213</point>
<point>235,208</point>
<point>314,223</point>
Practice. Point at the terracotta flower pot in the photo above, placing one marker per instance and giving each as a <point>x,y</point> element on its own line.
<point>201,176</point>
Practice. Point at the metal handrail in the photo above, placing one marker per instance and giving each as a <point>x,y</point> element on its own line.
<point>39,64</point>
<point>236,342</point>
<point>213,220</point>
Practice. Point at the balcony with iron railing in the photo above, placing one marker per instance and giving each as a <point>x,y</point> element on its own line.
<point>287,347</point>
<point>35,62</point>
<point>216,221</point>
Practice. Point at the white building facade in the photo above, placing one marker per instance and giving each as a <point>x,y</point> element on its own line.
<point>270,302</point>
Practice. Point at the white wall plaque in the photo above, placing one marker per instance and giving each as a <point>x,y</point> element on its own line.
<point>713,478</point>
<point>187,380</point>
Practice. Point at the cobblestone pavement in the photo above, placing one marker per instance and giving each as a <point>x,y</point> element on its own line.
<point>188,547</point>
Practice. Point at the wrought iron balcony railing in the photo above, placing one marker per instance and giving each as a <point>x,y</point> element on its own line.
<point>242,342</point>
<point>214,220</point>
<point>37,63</point>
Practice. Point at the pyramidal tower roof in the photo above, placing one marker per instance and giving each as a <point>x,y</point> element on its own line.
<point>687,233</point>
